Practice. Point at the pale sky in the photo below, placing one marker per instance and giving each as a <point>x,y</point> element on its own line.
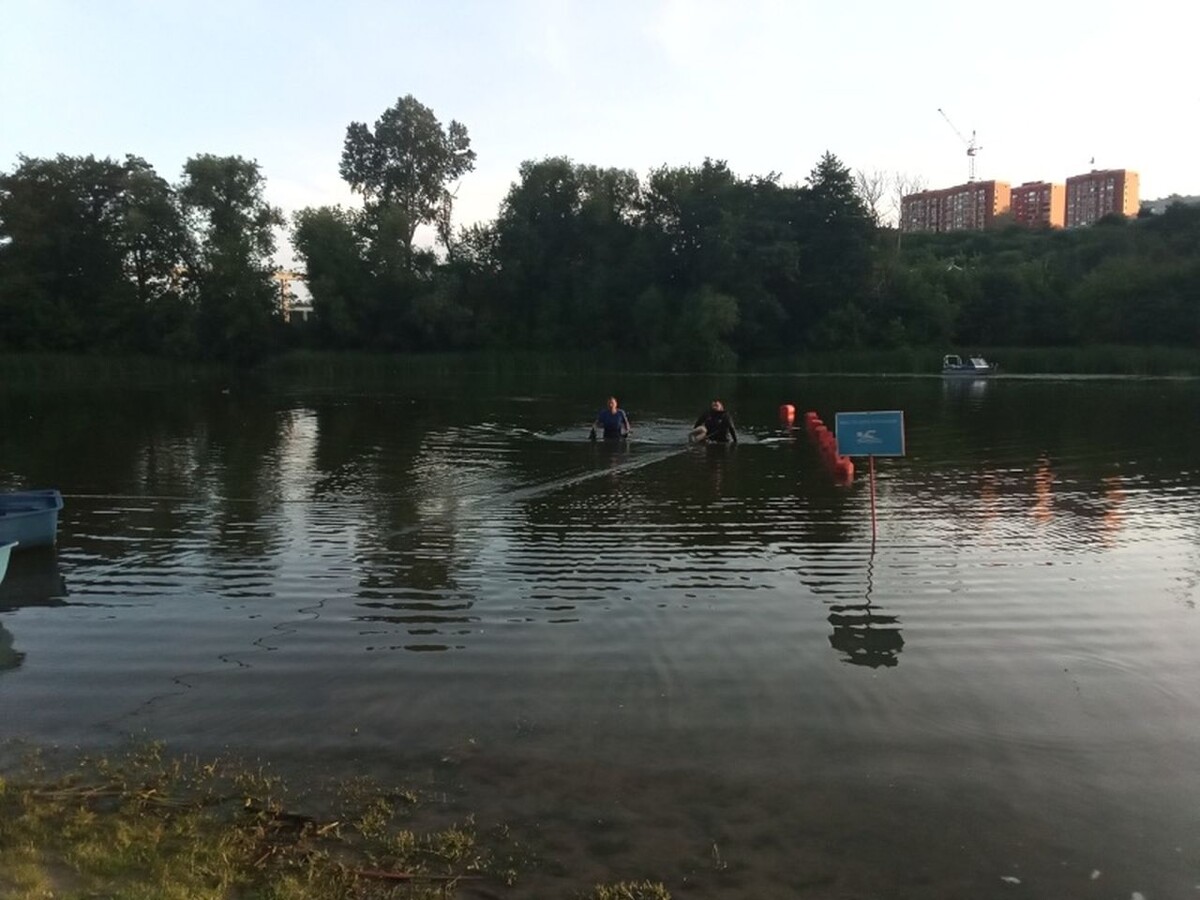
<point>767,85</point>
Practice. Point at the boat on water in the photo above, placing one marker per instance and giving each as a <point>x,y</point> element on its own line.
<point>30,517</point>
<point>972,367</point>
<point>5,552</point>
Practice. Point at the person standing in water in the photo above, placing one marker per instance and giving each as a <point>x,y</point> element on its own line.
<point>717,425</point>
<point>612,421</point>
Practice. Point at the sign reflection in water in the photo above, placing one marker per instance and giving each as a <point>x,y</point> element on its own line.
<point>865,634</point>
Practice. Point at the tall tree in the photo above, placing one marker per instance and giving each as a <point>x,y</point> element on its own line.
<point>404,166</point>
<point>564,241</point>
<point>153,236</point>
<point>330,242</point>
<point>903,184</point>
<point>691,214</point>
<point>238,304</point>
<point>872,189</point>
<point>837,245</point>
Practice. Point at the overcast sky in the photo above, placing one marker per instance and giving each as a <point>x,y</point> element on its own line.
<point>1046,86</point>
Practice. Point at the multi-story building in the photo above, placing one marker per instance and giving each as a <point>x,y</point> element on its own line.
<point>1100,192</point>
<point>921,211</point>
<point>965,207</point>
<point>1039,203</point>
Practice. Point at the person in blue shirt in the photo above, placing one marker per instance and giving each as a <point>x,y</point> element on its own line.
<point>612,421</point>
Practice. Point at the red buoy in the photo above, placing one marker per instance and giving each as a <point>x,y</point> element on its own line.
<point>787,414</point>
<point>843,469</point>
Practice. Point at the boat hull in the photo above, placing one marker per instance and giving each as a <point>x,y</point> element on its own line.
<point>967,373</point>
<point>30,517</point>
<point>5,552</point>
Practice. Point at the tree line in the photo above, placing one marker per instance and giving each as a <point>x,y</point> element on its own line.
<point>690,267</point>
<point>106,256</point>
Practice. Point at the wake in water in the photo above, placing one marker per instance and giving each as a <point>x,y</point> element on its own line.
<point>649,444</point>
<point>659,433</point>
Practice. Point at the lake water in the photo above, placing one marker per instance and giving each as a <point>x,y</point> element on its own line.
<point>652,660</point>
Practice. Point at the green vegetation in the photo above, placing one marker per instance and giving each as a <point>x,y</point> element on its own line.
<point>401,169</point>
<point>315,365</point>
<point>324,366</point>
<point>629,890</point>
<point>144,825</point>
<point>23,370</point>
<point>104,257</point>
<point>690,268</point>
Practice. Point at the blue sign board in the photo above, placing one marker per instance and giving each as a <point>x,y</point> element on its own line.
<point>870,433</point>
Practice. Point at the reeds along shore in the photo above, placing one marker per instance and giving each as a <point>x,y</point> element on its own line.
<point>43,369</point>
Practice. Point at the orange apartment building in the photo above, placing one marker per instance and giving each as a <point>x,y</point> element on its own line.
<point>1100,192</point>
<point>965,207</point>
<point>921,211</point>
<point>1037,203</point>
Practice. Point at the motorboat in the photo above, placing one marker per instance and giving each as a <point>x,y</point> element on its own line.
<point>972,367</point>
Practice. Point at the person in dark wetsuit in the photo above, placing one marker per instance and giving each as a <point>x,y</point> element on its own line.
<point>612,421</point>
<point>717,424</point>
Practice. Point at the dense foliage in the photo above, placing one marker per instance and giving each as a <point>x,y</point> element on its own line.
<point>691,267</point>
<point>101,256</point>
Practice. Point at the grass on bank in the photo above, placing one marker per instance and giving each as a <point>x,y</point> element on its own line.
<point>1094,360</point>
<point>25,370</point>
<point>21,370</point>
<point>143,826</point>
<point>1090,360</point>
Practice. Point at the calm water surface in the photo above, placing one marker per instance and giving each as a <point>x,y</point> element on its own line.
<point>652,660</point>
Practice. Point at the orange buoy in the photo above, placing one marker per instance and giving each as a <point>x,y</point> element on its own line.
<point>787,414</point>
<point>843,469</point>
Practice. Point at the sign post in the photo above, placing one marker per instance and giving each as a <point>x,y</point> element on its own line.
<point>870,434</point>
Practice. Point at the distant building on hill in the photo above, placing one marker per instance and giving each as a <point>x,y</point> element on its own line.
<point>295,303</point>
<point>965,207</point>
<point>1099,193</point>
<point>1159,206</point>
<point>1037,203</point>
<point>1084,199</point>
<point>921,211</point>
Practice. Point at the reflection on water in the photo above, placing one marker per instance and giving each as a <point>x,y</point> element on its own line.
<point>1043,492</point>
<point>867,636</point>
<point>1114,496</point>
<point>449,579</point>
<point>9,657</point>
<point>970,390</point>
<point>33,579</point>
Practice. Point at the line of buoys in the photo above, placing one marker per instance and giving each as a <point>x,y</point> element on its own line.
<point>840,467</point>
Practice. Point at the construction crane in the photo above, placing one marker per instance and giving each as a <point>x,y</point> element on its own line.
<point>972,147</point>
